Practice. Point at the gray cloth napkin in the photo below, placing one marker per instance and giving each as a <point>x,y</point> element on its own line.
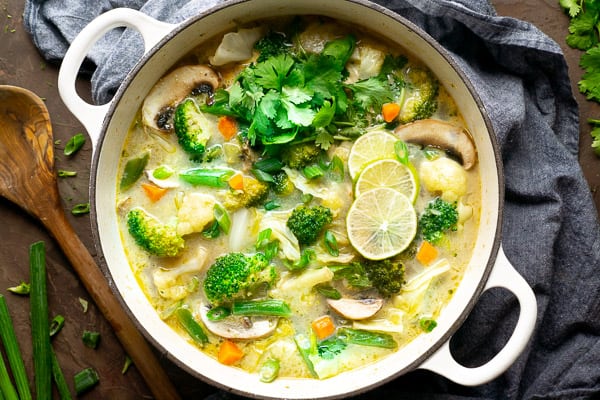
<point>551,232</point>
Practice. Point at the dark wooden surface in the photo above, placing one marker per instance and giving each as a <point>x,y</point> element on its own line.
<point>22,65</point>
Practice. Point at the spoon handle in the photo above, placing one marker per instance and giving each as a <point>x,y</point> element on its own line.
<point>97,286</point>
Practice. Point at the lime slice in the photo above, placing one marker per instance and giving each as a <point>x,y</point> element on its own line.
<point>387,173</point>
<point>372,146</point>
<point>381,223</point>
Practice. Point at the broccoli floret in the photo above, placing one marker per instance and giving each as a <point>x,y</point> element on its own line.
<point>307,223</point>
<point>253,194</point>
<point>438,217</point>
<point>191,128</point>
<point>149,233</point>
<point>282,185</point>
<point>386,276</point>
<point>272,44</point>
<point>300,155</point>
<point>421,101</point>
<point>233,275</point>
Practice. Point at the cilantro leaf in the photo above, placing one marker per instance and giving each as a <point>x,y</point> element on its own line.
<point>573,7</point>
<point>590,81</point>
<point>324,116</point>
<point>331,347</point>
<point>371,93</point>
<point>323,139</point>
<point>582,30</point>
<point>595,135</point>
<point>271,74</point>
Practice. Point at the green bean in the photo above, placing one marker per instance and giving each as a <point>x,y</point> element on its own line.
<point>268,307</point>
<point>367,338</point>
<point>191,326</point>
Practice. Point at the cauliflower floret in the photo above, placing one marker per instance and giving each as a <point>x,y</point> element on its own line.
<point>176,283</point>
<point>444,176</point>
<point>365,62</point>
<point>195,213</point>
<point>236,46</point>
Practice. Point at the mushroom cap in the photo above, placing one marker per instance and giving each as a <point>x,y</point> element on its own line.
<point>356,309</point>
<point>238,327</point>
<point>173,88</point>
<point>431,132</point>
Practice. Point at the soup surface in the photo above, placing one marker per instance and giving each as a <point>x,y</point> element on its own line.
<point>298,198</point>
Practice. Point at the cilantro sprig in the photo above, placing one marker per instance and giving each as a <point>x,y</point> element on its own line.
<point>290,96</point>
<point>584,34</point>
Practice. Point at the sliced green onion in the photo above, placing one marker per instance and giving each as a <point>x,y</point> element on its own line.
<point>74,144</point>
<point>306,257</point>
<point>271,249</point>
<point>222,217</point>
<point>163,172</point>
<point>63,173</point>
<point>331,243</point>
<point>191,326</point>
<point>80,209</point>
<point>312,172</point>
<point>264,237</point>
<point>268,307</point>
<point>213,231</point>
<point>328,291</point>
<point>56,324</point>
<point>59,379</point>
<point>269,165</point>
<point>218,313</point>
<point>84,304</point>
<point>401,152</point>
<point>85,380</point>
<point>23,288</point>
<point>427,324</point>
<point>367,338</point>
<point>337,168</point>
<point>306,198</point>
<point>211,177</point>
<point>91,339</point>
<point>269,370</point>
<point>40,326</point>
<point>133,170</point>
<point>13,354</point>
<point>126,364</point>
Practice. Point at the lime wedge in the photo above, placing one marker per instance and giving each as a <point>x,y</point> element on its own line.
<point>374,145</point>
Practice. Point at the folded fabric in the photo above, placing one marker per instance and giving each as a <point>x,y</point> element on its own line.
<point>551,232</point>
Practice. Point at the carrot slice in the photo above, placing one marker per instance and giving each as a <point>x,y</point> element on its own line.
<point>323,326</point>
<point>227,126</point>
<point>236,182</point>
<point>229,353</point>
<point>427,253</point>
<point>153,192</point>
<point>390,111</point>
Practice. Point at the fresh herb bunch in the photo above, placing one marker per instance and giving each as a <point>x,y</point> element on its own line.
<point>584,34</point>
<point>292,96</point>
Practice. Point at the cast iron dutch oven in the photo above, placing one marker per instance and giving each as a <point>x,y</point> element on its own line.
<point>166,43</point>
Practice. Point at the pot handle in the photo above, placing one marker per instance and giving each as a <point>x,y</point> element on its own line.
<point>503,275</point>
<point>91,116</point>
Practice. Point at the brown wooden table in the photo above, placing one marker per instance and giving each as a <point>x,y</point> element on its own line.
<point>22,65</point>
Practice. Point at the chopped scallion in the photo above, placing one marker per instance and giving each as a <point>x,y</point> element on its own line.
<point>85,380</point>
<point>40,326</point>
<point>56,324</point>
<point>74,144</point>
<point>91,339</point>
<point>23,289</point>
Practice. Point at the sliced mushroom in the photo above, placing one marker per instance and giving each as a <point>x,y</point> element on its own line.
<point>449,137</point>
<point>173,88</point>
<point>234,327</point>
<point>356,309</point>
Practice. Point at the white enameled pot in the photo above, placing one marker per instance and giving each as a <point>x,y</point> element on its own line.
<point>166,43</point>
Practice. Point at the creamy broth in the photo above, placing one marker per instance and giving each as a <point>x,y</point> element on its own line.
<point>175,282</point>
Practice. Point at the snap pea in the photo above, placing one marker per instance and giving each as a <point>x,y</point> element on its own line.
<point>212,177</point>
<point>133,170</point>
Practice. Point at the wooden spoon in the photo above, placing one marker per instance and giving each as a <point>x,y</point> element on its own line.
<point>27,179</point>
